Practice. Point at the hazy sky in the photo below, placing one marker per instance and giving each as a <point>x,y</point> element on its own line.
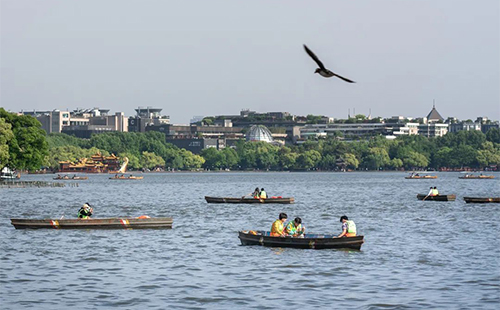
<point>217,57</point>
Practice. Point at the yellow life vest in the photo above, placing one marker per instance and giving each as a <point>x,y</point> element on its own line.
<point>351,227</point>
<point>277,227</point>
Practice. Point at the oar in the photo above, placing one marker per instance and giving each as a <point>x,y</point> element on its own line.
<point>425,197</point>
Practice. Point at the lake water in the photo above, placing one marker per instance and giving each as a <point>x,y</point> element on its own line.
<point>416,255</point>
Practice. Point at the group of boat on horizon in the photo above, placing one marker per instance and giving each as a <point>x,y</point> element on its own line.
<point>468,175</point>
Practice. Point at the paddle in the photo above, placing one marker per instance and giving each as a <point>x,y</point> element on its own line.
<point>425,197</point>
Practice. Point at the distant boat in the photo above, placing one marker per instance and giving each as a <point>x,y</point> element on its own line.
<point>437,198</point>
<point>471,176</point>
<point>8,174</point>
<point>66,177</point>
<point>102,223</point>
<point>282,200</point>
<point>131,177</point>
<point>482,200</point>
<point>310,241</point>
<point>418,176</point>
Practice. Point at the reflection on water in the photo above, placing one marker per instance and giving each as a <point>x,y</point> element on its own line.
<point>417,254</point>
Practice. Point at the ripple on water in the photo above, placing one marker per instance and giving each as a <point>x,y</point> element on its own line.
<point>416,255</point>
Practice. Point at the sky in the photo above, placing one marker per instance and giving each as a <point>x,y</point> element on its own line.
<point>198,57</point>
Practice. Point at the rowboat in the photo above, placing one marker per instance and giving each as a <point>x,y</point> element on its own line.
<point>70,178</point>
<point>283,200</point>
<point>422,177</point>
<point>310,241</point>
<point>437,198</point>
<point>102,223</point>
<point>477,177</point>
<point>132,177</point>
<point>482,200</point>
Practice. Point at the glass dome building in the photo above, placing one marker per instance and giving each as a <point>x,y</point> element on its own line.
<point>259,133</point>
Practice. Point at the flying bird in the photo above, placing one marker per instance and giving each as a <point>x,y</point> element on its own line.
<point>324,72</point>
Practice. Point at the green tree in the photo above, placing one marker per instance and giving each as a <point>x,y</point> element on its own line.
<point>151,160</point>
<point>308,159</point>
<point>6,135</point>
<point>493,135</point>
<point>376,158</point>
<point>350,160</point>
<point>413,160</point>
<point>28,148</point>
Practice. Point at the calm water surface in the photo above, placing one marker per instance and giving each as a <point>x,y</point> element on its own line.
<point>417,255</point>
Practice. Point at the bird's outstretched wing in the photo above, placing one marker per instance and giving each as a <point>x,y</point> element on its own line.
<point>314,57</point>
<point>343,78</point>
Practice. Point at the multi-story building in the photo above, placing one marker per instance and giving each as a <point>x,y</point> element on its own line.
<point>81,123</point>
<point>145,117</point>
<point>52,121</point>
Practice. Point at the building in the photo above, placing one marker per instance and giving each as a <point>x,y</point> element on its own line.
<point>96,164</point>
<point>432,129</point>
<point>195,137</point>
<point>434,116</point>
<point>80,122</point>
<point>52,121</point>
<point>350,130</point>
<point>145,117</point>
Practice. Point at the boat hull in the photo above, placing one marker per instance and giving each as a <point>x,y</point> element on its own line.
<point>129,178</point>
<point>423,177</point>
<point>310,241</point>
<point>103,223</point>
<point>482,200</point>
<point>249,200</point>
<point>437,198</point>
<point>487,177</point>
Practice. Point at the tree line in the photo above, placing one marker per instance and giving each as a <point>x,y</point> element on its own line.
<point>24,145</point>
<point>472,149</point>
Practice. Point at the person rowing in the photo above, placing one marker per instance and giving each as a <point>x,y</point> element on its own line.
<point>348,227</point>
<point>85,211</point>
<point>263,194</point>
<point>295,229</point>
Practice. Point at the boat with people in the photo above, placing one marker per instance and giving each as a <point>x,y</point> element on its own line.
<point>309,241</point>
<point>418,176</point>
<point>437,197</point>
<point>122,177</point>
<point>9,174</point>
<point>273,199</point>
<point>482,199</point>
<point>480,176</point>
<point>141,222</point>
<point>66,177</point>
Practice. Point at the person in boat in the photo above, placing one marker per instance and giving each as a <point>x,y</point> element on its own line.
<point>256,193</point>
<point>295,229</point>
<point>431,192</point>
<point>348,227</point>
<point>85,211</point>
<point>435,191</point>
<point>263,194</point>
<point>277,229</point>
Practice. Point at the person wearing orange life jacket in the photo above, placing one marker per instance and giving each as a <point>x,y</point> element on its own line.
<point>348,227</point>
<point>277,229</point>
